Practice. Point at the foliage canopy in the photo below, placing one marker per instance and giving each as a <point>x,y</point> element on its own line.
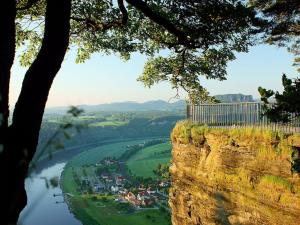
<point>182,39</point>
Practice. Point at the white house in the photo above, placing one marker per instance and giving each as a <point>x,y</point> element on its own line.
<point>114,188</point>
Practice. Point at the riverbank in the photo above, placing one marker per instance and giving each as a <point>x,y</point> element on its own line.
<point>45,204</point>
<point>102,208</point>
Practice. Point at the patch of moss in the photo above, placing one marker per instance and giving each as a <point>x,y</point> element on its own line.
<point>276,183</point>
<point>240,179</point>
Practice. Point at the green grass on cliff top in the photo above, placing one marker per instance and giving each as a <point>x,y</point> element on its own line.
<point>185,131</point>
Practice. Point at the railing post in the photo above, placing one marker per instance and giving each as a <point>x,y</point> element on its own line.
<point>187,112</point>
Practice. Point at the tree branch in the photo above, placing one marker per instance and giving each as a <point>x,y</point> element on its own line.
<point>161,20</point>
<point>98,26</point>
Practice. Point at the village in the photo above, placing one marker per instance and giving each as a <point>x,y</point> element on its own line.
<point>110,177</point>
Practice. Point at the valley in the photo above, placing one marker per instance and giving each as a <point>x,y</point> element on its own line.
<point>104,185</point>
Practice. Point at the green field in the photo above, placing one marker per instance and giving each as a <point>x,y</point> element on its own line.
<point>145,161</point>
<point>86,117</point>
<point>108,213</point>
<point>68,184</point>
<point>94,155</point>
<point>109,123</point>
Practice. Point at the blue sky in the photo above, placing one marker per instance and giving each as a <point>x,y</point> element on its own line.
<point>104,79</point>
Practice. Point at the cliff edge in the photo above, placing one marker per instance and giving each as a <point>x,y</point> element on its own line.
<point>234,176</point>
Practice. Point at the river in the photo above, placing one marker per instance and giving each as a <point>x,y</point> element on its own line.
<point>43,208</point>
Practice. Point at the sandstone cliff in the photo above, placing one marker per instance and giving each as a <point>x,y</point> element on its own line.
<point>234,176</point>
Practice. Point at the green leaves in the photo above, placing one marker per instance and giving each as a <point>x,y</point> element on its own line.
<point>200,35</point>
<point>29,30</point>
<point>183,70</point>
<point>74,111</point>
<point>213,36</point>
<point>265,94</point>
<point>287,104</point>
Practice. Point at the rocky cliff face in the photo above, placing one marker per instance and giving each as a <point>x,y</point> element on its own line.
<point>234,176</point>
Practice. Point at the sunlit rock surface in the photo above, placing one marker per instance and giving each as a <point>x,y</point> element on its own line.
<point>233,177</point>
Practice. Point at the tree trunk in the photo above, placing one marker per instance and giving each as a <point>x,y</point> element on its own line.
<point>28,113</point>
<point>7,53</point>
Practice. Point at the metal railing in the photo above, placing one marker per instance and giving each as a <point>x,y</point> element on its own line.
<point>244,114</point>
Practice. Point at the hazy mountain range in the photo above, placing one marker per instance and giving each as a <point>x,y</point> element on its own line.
<point>157,105</point>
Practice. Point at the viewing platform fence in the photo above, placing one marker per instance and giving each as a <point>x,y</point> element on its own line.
<point>243,114</point>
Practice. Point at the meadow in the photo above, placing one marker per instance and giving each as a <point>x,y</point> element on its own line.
<point>146,160</point>
<point>94,155</point>
<point>108,212</point>
<point>108,123</point>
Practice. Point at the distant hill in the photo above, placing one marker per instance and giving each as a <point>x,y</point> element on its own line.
<point>234,98</point>
<point>158,105</point>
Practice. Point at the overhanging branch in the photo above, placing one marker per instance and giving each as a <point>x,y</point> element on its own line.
<point>161,20</point>
<point>100,26</point>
